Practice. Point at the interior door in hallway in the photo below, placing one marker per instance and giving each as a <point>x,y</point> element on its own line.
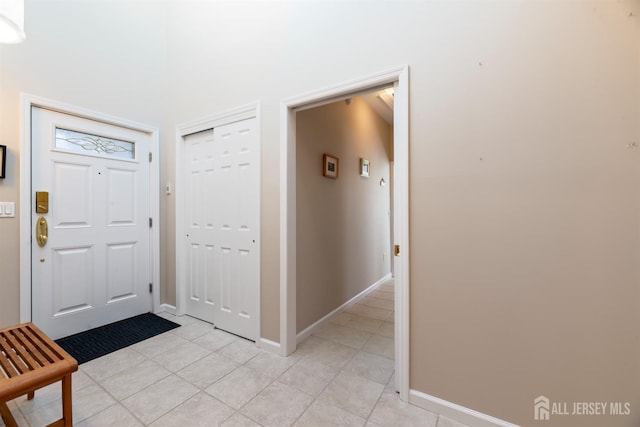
<point>95,266</point>
<point>222,198</point>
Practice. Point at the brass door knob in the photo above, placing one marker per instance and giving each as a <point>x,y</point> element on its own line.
<point>42,231</point>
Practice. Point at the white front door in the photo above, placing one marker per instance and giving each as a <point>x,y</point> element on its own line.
<point>95,267</point>
<point>222,207</point>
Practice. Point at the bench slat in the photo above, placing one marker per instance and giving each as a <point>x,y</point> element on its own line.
<point>14,356</point>
<point>5,357</point>
<point>23,349</point>
<point>32,349</point>
<point>56,350</point>
<point>44,353</point>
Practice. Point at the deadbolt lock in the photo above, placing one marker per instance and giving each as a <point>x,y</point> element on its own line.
<point>42,202</point>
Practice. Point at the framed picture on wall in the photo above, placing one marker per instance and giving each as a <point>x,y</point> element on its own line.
<point>330,166</point>
<point>3,160</point>
<point>364,167</point>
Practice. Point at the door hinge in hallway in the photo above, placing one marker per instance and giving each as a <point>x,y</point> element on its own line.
<point>150,157</point>
<point>150,288</point>
<point>150,222</point>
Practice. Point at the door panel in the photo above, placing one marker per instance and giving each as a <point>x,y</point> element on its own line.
<point>121,271</point>
<point>122,190</point>
<point>72,280</point>
<point>194,273</point>
<point>96,266</point>
<point>244,263</point>
<point>223,216</point>
<point>225,283</point>
<point>70,202</point>
<point>208,281</point>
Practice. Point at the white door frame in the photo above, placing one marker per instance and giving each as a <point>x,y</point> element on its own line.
<point>244,112</point>
<point>288,107</point>
<point>27,102</point>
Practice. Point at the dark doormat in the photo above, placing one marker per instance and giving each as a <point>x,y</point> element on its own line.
<point>106,339</point>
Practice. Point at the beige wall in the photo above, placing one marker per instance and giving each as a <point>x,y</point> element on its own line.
<point>524,193</point>
<point>343,225</point>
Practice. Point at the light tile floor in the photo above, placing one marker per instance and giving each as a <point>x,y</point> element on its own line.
<point>196,375</point>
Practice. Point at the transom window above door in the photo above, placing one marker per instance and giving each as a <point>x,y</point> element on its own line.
<point>94,145</point>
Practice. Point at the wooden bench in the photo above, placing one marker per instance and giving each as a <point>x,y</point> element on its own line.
<point>30,360</point>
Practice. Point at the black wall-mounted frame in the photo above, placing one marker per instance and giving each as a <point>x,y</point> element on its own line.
<point>3,160</point>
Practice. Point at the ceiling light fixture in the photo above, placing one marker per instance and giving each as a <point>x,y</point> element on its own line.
<point>12,21</point>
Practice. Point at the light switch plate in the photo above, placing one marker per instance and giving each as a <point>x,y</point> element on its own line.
<point>7,209</point>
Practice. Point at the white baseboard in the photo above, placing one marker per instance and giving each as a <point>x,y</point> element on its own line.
<point>168,308</point>
<point>268,345</point>
<point>303,335</point>
<point>454,411</point>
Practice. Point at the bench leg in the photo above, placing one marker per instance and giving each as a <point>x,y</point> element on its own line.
<point>67,413</point>
<point>8,419</point>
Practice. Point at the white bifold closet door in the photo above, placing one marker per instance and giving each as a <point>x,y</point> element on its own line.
<point>222,214</point>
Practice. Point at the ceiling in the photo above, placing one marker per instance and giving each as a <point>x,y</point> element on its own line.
<point>382,103</point>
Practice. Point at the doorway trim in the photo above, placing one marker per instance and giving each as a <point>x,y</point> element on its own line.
<point>27,103</point>
<point>248,111</point>
<point>398,76</point>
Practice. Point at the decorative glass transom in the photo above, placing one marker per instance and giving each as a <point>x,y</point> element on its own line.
<point>95,145</point>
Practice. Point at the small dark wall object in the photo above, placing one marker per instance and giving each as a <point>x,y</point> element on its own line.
<point>3,160</point>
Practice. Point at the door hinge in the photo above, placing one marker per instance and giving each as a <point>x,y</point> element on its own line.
<point>150,288</point>
<point>150,157</point>
<point>150,222</point>
<point>396,250</point>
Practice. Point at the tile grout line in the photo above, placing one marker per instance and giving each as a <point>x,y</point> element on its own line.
<point>118,401</point>
<point>238,410</point>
